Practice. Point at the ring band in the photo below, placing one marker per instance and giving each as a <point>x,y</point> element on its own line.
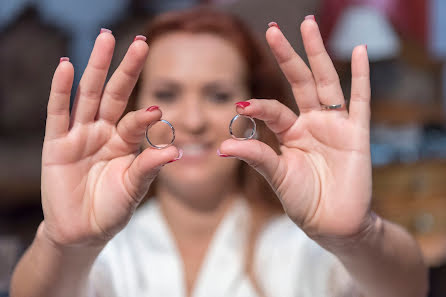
<point>160,146</point>
<point>253,132</point>
<point>332,106</point>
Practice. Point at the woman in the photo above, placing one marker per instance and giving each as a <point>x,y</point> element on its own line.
<point>207,232</point>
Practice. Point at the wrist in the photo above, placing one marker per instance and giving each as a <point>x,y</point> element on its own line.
<point>45,241</point>
<point>51,269</point>
<point>370,232</point>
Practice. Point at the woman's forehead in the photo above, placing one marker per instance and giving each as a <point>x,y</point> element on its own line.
<point>194,54</point>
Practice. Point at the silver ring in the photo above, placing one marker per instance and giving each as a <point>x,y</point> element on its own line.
<point>253,132</point>
<point>160,146</point>
<point>332,106</point>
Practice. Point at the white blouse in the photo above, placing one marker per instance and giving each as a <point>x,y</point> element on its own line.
<point>142,260</point>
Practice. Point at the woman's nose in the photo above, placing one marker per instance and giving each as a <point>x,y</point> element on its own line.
<point>193,116</point>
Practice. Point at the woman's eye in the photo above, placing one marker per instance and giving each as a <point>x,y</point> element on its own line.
<point>165,96</point>
<point>220,97</point>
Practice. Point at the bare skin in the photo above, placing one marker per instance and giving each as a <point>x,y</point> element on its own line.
<point>94,177</point>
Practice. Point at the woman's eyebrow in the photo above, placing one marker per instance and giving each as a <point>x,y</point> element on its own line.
<point>168,82</point>
<point>217,84</point>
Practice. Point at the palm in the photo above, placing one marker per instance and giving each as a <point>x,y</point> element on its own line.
<point>89,165</point>
<point>92,175</point>
<point>327,152</point>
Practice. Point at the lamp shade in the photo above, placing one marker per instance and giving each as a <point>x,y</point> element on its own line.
<point>364,25</point>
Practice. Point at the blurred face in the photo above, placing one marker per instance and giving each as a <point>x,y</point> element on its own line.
<point>195,79</point>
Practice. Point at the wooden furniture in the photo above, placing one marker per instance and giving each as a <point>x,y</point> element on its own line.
<point>414,196</point>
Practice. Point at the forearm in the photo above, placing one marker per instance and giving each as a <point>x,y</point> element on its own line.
<point>385,262</point>
<point>47,270</point>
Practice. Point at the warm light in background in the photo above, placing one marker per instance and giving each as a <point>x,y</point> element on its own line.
<point>364,25</point>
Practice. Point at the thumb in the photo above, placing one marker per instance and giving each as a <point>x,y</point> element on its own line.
<point>145,168</point>
<point>256,154</point>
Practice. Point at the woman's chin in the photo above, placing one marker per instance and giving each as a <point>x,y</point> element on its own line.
<point>189,179</point>
<point>206,181</point>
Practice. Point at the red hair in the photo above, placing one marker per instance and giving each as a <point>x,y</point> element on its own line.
<point>264,79</point>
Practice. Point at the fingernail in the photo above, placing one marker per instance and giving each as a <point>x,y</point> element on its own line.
<point>310,17</point>
<point>273,24</point>
<point>365,46</point>
<point>140,37</point>
<point>222,155</point>
<point>64,59</point>
<point>180,155</point>
<point>242,104</point>
<point>152,108</point>
<point>103,30</point>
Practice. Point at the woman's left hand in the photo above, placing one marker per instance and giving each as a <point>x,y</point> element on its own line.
<point>323,174</point>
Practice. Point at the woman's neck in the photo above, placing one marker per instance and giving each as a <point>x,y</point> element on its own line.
<point>195,218</point>
<point>193,221</point>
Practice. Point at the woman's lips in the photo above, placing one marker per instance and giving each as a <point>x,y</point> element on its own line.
<point>195,151</point>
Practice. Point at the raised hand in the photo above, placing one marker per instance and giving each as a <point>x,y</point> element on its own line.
<point>323,174</point>
<point>93,176</point>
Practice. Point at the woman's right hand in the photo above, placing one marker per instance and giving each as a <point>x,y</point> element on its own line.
<point>93,176</point>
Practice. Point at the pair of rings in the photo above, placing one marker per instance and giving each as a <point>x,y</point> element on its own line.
<point>231,132</point>
<point>248,136</point>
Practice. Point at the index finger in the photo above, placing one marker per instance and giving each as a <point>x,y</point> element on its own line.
<point>277,117</point>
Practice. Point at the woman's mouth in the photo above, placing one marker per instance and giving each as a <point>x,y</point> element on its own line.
<point>195,150</point>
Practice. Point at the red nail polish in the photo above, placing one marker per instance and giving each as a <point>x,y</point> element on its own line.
<point>365,46</point>
<point>180,155</point>
<point>222,155</point>
<point>152,108</point>
<point>242,104</point>
<point>273,24</point>
<point>103,30</point>
<point>64,59</point>
<point>310,17</point>
<point>140,37</point>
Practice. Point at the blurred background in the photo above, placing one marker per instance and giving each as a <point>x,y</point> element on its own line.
<point>407,48</point>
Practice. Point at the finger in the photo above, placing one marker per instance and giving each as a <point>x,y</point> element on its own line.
<point>257,154</point>
<point>278,117</point>
<point>327,79</point>
<point>131,128</point>
<point>296,71</point>
<point>58,110</point>
<point>121,84</point>
<point>146,167</point>
<point>360,94</point>
<point>90,88</point>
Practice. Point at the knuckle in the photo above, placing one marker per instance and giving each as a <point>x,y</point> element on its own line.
<point>257,162</point>
<point>359,97</point>
<point>89,95</point>
<point>114,94</point>
<point>327,81</point>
